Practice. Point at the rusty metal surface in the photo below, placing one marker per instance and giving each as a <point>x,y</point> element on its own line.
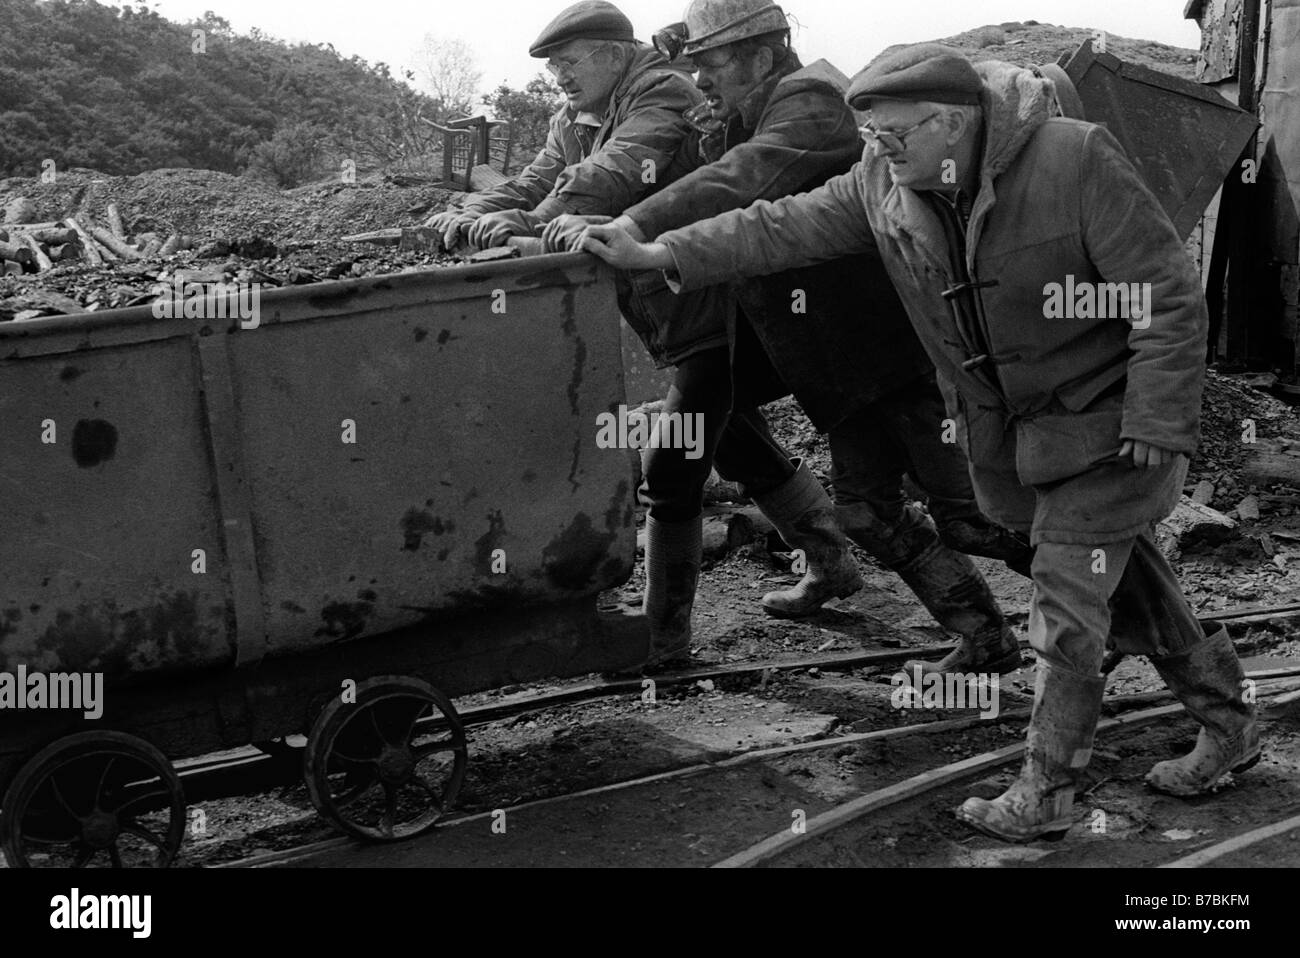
<point>1183,138</point>
<point>1220,22</point>
<point>475,432</point>
<point>98,526</point>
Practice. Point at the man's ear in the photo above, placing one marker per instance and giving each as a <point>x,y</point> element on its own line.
<point>956,126</point>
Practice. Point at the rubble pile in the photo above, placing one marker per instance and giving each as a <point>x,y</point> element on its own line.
<point>90,242</point>
<point>1029,43</point>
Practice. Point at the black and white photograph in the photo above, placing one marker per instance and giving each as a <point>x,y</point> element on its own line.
<point>531,434</point>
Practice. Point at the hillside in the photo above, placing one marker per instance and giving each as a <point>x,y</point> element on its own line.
<point>125,90</point>
<point>1030,43</point>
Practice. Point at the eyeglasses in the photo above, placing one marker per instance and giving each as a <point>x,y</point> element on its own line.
<point>710,59</point>
<point>895,142</point>
<point>557,69</point>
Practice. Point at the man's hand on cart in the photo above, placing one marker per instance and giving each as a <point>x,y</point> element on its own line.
<point>562,233</point>
<point>453,224</point>
<point>493,229</point>
<point>613,244</point>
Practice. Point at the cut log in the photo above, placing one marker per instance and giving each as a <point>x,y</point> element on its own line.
<point>747,524</point>
<point>152,248</point>
<point>114,245</point>
<point>105,253</point>
<point>52,235</point>
<point>114,222</point>
<point>717,541</point>
<point>388,237</point>
<point>1190,524</point>
<point>17,253</point>
<point>32,227</point>
<point>88,246</point>
<point>69,252</point>
<point>424,238</point>
<point>171,246</point>
<point>1272,462</point>
<point>43,262</point>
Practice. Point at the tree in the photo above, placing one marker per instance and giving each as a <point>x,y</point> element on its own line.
<point>449,71</point>
<point>529,113</point>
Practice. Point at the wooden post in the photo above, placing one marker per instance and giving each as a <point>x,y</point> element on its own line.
<point>1240,198</point>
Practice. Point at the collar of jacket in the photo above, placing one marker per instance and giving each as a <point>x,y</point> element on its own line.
<point>645,59</point>
<point>1016,103</point>
<point>752,106</point>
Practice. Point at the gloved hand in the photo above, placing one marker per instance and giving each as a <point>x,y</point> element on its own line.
<point>453,224</point>
<point>493,229</point>
<point>561,234</point>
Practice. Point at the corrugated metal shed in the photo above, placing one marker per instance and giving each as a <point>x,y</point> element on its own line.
<point>1250,52</point>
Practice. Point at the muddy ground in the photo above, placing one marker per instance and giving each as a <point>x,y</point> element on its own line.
<point>708,816</point>
<point>702,818</point>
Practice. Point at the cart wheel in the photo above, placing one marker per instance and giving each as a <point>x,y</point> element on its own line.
<point>93,793</point>
<point>372,772</point>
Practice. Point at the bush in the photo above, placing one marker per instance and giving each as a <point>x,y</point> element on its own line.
<point>289,158</point>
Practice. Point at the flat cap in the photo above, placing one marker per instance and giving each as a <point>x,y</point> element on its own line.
<point>588,20</point>
<point>924,71</point>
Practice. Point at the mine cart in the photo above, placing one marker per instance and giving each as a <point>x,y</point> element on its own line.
<point>325,518</point>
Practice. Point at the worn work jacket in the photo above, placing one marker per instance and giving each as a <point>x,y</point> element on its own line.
<point>835,333</point>
<point>1040,397</point>
<point>599,166</point>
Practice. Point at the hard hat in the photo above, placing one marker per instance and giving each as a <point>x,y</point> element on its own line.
<point>715,23</point>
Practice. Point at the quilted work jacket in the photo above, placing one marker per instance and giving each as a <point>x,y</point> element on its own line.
<point>1041,395</point>
<point>599,166</point>
<point>849,341</point>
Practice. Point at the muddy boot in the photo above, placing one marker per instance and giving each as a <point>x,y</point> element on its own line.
<point>948,585</point>
<point>1207,679</point>
<point>805,518</point>
<point>1038,803</point>
<point>962,527</point>
<point>672,567</point>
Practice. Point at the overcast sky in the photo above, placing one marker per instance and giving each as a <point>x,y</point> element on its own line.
<point>845,32</point>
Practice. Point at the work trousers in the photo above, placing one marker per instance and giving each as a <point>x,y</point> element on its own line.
<point>1125,592</point>
<point>737,442</point>
<point>1093,590</point>
<point>903,432</point>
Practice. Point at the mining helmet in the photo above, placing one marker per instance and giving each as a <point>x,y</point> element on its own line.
<point>716,23</point>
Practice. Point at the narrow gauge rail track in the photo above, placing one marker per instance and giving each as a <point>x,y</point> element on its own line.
<point>280,764</point>
<point>893,796</point>
<point>249,768</point>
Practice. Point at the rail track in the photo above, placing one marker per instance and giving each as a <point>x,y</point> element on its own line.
<point>238,771</point>
<point>278,764</point>
<point>901,798</point>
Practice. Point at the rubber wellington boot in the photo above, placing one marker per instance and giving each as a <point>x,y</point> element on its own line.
<point>1038,803</point>
<point>672,564</point>
<point>1207,679</point>
<point>954,592</point>
<point>963,528</point>
<point>804,516</point>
